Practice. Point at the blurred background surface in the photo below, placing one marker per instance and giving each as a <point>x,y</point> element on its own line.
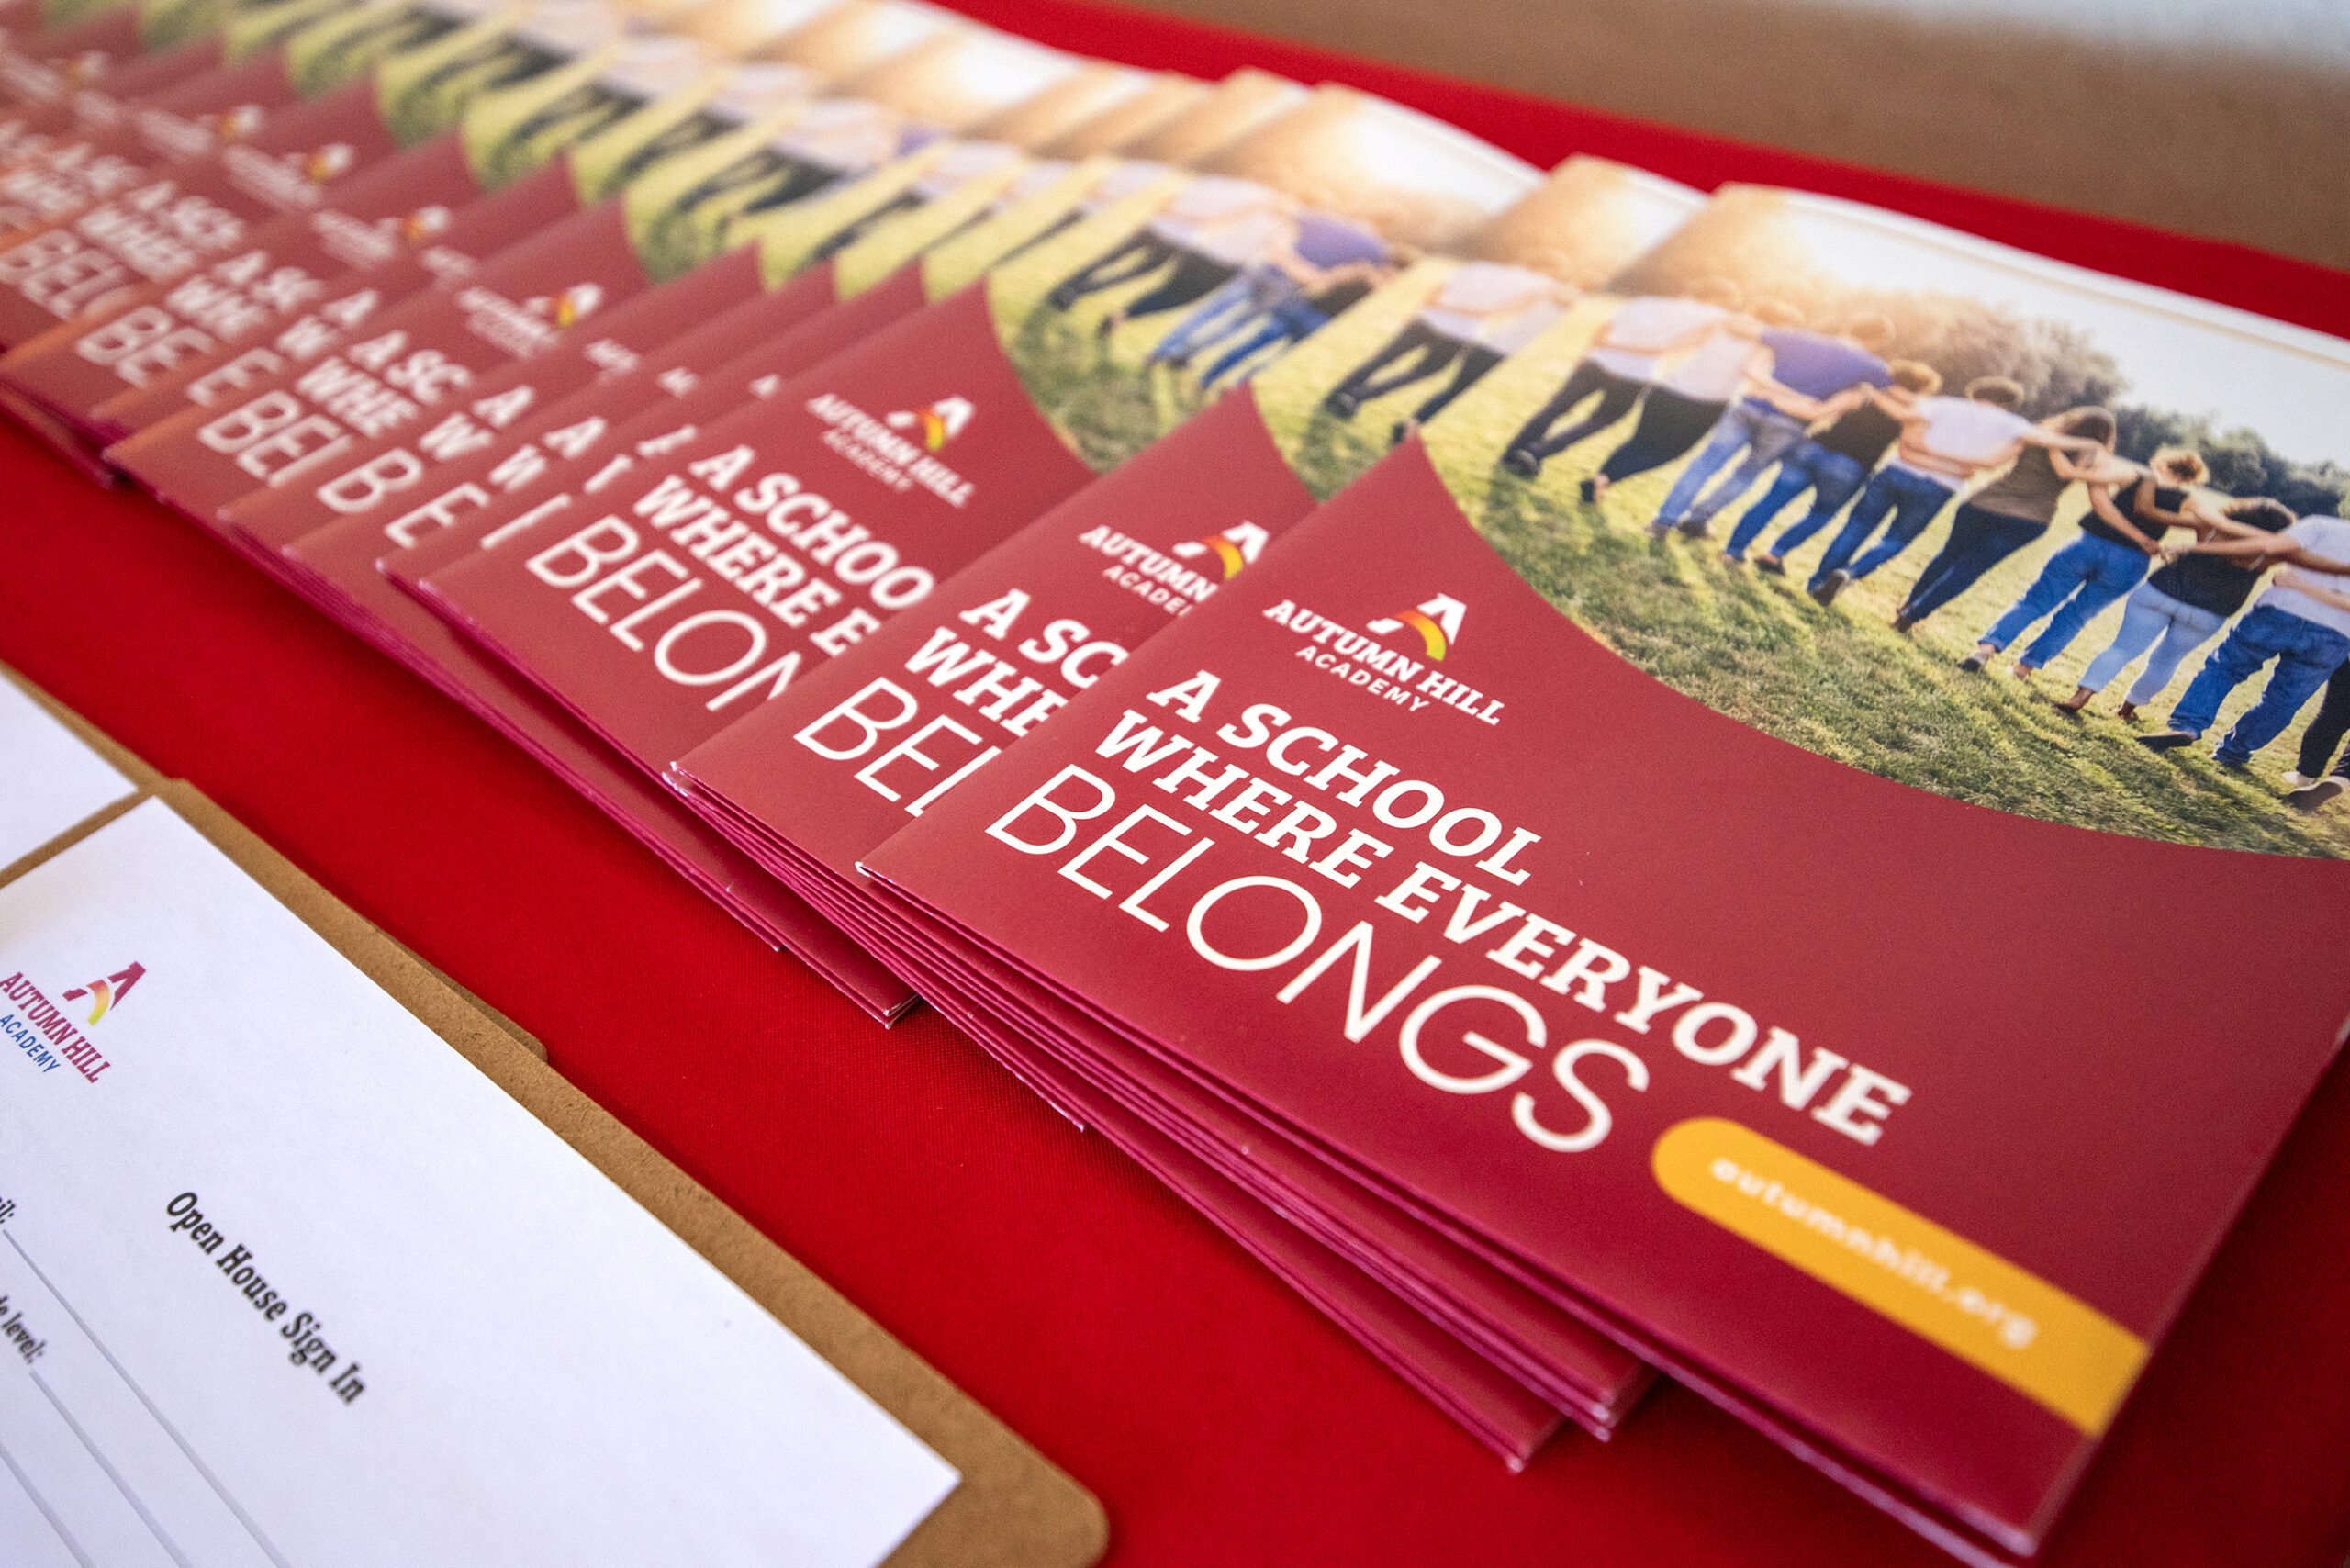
<point>2227,117</point>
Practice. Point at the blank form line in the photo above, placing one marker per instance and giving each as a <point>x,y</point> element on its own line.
<point>39,1502</point>
<point>153,1528</point>
<point>169,1430</point>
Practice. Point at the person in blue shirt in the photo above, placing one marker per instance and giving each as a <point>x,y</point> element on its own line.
<point>1814,365</point>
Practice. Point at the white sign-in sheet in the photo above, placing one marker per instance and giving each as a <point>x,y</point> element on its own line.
<point>285,1283</point>
<point>50,778</point>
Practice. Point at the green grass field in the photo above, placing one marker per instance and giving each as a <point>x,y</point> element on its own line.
<point>1839,681</point>
<point>1107,403</point>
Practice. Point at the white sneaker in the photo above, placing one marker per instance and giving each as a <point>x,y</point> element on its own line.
<point>2309,797</point>
<point>2296,779</point>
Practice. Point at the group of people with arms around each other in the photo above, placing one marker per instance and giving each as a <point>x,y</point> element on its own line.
<point>1753,392</point>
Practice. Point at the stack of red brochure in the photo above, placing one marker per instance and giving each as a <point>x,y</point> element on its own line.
<point>1591,773</point>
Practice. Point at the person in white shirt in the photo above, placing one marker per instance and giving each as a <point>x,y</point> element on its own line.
<point>1679,409</point>
<point>1482,313</point>
<point>2300,621</point>
<point>1209,230</point>
<point>1632,348</point>
<point>1945,442</point>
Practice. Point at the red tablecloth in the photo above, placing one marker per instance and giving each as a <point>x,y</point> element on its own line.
<point>1220,1419</point>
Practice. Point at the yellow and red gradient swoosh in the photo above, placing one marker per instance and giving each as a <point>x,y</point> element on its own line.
<point>102,997</point>
<point>1430,633</point>
<point>1227,552</point>
<point>933,430</point>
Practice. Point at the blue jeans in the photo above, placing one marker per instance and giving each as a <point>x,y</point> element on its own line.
<point>2079,580</point>
<point>1291,321</point>
<point>1978,540</point>
<point>2150,613</point>
<point>1228,310</point>
<point>1833,480</point>
<point>1912,499</point>
<point>2306,654</point>
<point>1763,433</point>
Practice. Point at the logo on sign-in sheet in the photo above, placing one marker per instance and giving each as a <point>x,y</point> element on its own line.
<point>937,423</point>
<point>1437,621</point>
<point>45,1033</point>
<point>106,994</point>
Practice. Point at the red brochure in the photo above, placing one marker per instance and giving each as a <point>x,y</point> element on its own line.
<point>1482,832</point>
<point>609,343</point>
<point>72,84</point>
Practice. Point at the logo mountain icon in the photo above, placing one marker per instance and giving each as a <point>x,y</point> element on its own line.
<point>1236,547</point>
<point>1437,621</point>
<point>109,992</point>
<point>569,306</point>
<point>939,423</point>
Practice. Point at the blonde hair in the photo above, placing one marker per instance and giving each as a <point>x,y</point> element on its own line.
<point>1871,329</point>
<point>1914,376</point>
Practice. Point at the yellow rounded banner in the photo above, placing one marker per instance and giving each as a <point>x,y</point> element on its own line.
<point>1980,1308</point>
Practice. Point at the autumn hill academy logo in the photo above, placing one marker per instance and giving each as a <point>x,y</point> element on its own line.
<point>1437,621</point>
<point>109,992</point>
<point>1367,660</point>
<point>1232,549</point>
<point>569,307</point>
<point>899,449</point>
<point>46,1035</point>
<point>938,424</point>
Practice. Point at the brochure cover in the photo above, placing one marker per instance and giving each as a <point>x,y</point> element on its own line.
<point>1653,925</point>
<point>1594,1395</point>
